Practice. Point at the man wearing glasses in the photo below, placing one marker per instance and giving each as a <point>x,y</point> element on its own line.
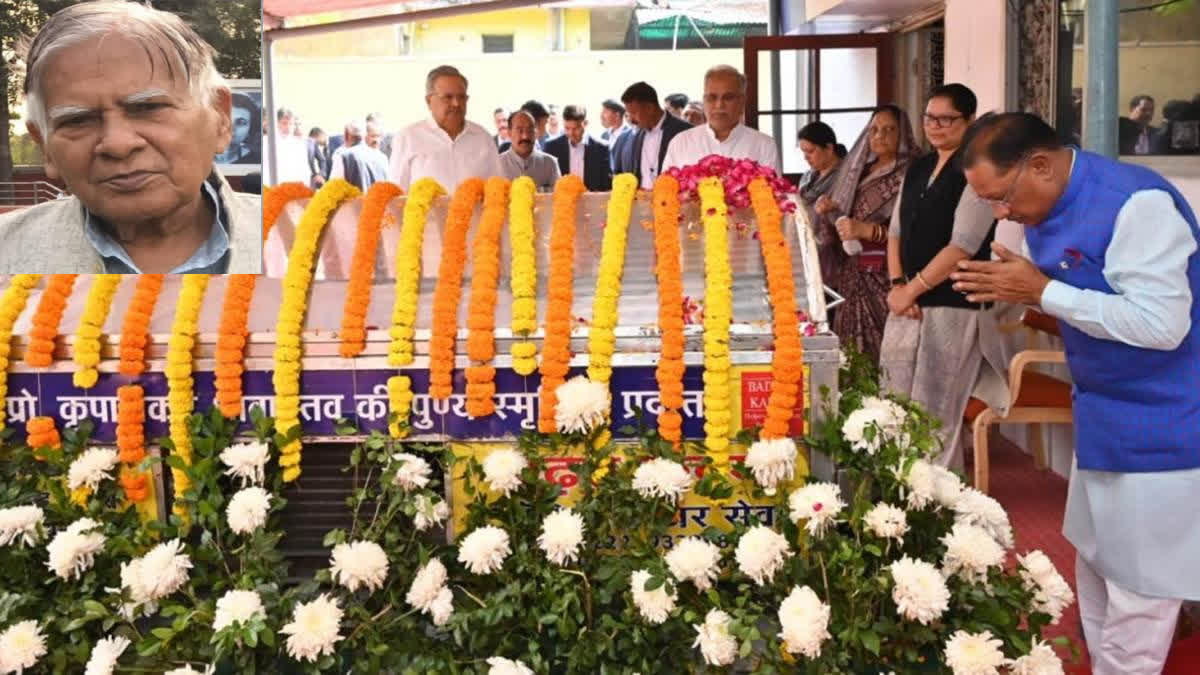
<point>1113,249</point>
<point>445,147</point>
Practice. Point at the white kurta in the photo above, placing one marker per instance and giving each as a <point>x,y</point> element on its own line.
<point>691,146</point>
<point>424,150</point>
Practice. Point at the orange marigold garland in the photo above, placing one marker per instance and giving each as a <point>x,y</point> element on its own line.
<point>40,433</point>
<point>231,342</point>
<point>667,267</point>
<point>275,198</point>
<point>481,318</point>
<point>135,330</point>
<point>448,291</point>
<point>131,441</point>
<point>787,363</point>
<point>556,348</point>
<point>40,352</point>
<point>362,270</point>
<point>91,329</point>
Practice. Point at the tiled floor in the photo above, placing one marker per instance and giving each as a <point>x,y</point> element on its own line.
<point>1035,501</point>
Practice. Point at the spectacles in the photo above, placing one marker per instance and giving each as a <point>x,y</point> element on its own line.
<point>1005,202</point>
<point>940,121</point>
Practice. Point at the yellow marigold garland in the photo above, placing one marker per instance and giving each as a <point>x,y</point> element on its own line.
<point>718,313</point>
<point>523,275</point>
<point>296,282</point>
<point>40,352</point>
<point>601,339</point>
<point>400,398</point>
<point>667,266</point>
<point>231,342</point>
<point>787,362</point>
<point>481,318</point>
<point>448,292</point>
<point>556,347</point>
<point>135,328</point>
<point>408,269</point>
<point>12,303</point>
<point>91,327</point>
<point>362,269</point>
<point>180,389</point>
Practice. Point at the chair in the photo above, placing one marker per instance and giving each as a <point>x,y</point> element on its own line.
<point>1034,398</point>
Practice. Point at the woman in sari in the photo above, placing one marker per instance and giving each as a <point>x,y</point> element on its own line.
<point>858,210</point>
<point>824,154</point>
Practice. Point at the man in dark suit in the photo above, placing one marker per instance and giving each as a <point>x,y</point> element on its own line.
<point>655,129</point>
<point>579,153</point>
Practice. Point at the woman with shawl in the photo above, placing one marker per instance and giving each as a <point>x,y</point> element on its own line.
<point>858,210</point>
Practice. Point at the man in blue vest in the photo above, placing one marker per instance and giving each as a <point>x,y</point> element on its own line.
<point>1113,258</point>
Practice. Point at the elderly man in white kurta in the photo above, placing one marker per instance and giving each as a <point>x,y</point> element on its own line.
<point>445,147</point>
<point>724,134</point>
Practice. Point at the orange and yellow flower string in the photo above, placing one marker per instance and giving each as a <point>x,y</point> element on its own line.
<point>556,347</point>
<point>667,266</point>
<point>135,327</point>
<point>231,342</point>
<point>180,387</point>
<point>408,270</point>
<point>91,328</point>
<point>41,433</point>
<point>787,363</point>
<point>275,198</point>
<point>362,268</point>
<point>601,336</point>
<point>481,316</point>
<point>12,303</point>
<point>718,313</point>
<point>523,274</point>
<point>46,319</point>
<point>448,291</point>
<point>292,310</point>
<point>131,441</point>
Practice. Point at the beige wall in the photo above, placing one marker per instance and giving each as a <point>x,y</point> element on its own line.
<point>976,49</point>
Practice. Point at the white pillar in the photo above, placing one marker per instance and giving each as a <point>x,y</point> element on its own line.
<point>977,33</point>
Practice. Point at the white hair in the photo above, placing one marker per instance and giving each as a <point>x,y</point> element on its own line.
<point>442,71</point>
<point>160,33</point>
<point>727,71</point>
<point>353,128</point>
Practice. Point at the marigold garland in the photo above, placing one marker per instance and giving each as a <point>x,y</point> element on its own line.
<point>41,433</point>
<point>400,397</point>
<point>601,338</point>
<point>448,291</point>
<point>231,342</point>
<point>362,269</point>
<point>481,317</point>
<point>135,330</point>
<point>131,440</point>
<point>718,313</point>
<point>408,269</point>
<point>294,305</point>
<point>40,352</point>
<point>91,327</point>
<point>523,275</point>
<point>12,303</point>
<point>275,198</point>
<point>787,363</point>
<point>180,389</point>
<point>556,347</point>
<point>670,307</point>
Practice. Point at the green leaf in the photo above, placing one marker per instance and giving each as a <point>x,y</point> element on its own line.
<point>653,583</point>
<point>163,634</point>
<point>870,640</point>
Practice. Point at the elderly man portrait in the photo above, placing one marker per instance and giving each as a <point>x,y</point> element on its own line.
<point>445,147</point>
<point>580,154</point>
<point>129,112</point>
<point>523,158</point>
<point>723,134</point>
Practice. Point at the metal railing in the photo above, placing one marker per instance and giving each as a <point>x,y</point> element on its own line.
<point>28,193</point>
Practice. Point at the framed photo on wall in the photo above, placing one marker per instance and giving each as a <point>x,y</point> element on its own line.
<point>244,154</point>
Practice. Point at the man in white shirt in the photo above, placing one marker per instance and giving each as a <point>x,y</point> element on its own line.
<point>445,147</point>
<point>642,152</point>
<point>724,134</point>
<point>291,151</point>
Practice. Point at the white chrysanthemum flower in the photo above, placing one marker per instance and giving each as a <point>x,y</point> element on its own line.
<point>92,467</point>
<point>920,591</point>
<point>696,560</point>
<point>654,606</point>
<point>502,470</point>
<point>503,666</point>
<point>884,416</point>
<point>582,404</point>
<point>896,414</point>
<point>442,607</point>
<point>429,513</point>
<point>426,585</point>
<point>105,655</point>
<point>1041,660</point>
<point>947,486</point>
<point>237,607</point>
<point>772,462</point>
<point>73,551</point>
<point>662,478</point>
<point>246,461</point>
<point>817,503</point>
<point>717,646</point>
<point>21,645</point>
<point>761,552</point>
<point>247,510</point>
<point>413,472</point>
<point>154,576</point>
<point>975,508</point>
<point>843,360</point>
<point>21,523</point>
<point>921,483</point>
<point>974,653</point>
<point>887,522</point>
<point>359,564</point>
<point>484,550</point>
<point>805,622</point>
<point>314,629</point>
<point>1051,593</point>
<point>970,552</point>
<point>561,537</point>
